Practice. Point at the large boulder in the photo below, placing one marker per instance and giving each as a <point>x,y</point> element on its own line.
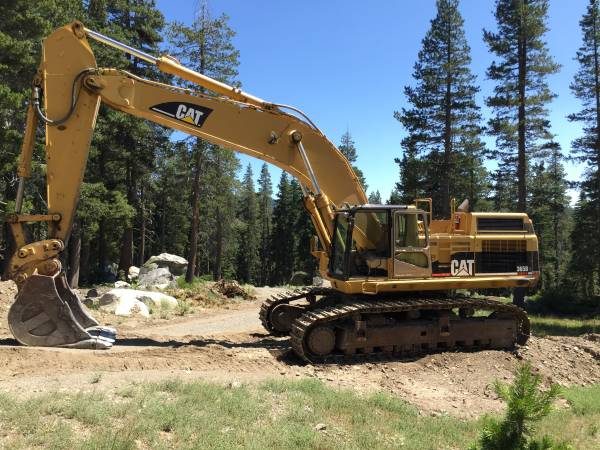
<point>123,302</point>
<point>133,273</point>
<point>176,264</point>
<point>127,302</point>
<point>159,278</point>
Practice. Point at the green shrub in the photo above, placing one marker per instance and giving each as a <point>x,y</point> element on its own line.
<point>560,300</point>
<point>526,406</point>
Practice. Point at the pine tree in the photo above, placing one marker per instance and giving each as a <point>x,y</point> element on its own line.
<point>265,213</point>
<point>586,149</point>
<point>443,119</point>
<point>207,47</point>
<point>375,198</point>
<point>348,149</point>
<point>583,266</point>
<point>283,243</point>
<point>411,182</point>
<point>248,263</point>
<point>124,148</point>
<point>526,405</point>
<point>548,206</point>
<point>520,124</point>
<point>303,230</point>
<point>170,214</point>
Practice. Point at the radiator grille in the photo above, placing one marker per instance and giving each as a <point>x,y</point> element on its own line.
<point>503,246</point>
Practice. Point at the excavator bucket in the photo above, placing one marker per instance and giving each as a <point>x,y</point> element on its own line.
<point>48,313</point>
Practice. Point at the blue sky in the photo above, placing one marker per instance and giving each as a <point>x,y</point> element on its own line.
<point>345,64</point>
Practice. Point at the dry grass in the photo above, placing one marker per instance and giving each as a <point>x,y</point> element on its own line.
<point>276,414</point>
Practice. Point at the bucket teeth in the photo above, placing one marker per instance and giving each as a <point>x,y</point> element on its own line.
<point>48,313</point>
<point>105,333</point>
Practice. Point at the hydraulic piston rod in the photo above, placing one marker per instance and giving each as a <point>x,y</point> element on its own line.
<point>170,65</point>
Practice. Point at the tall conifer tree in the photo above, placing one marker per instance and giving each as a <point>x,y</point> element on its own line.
<point>248,263</point>
<point>303,230</point>
<point>207,47</point>
<point>521,94</point>
<point>375,197</point>
<point>283,243</point>
<point>348,148</point>
<point>443,120</point>
<point>124,148</point>
<point>586,149</point>
<point>265,213</point>
<point>548,205</point>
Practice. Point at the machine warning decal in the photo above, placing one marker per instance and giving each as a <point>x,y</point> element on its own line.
<point>185,112</point>
<point>462,268</point>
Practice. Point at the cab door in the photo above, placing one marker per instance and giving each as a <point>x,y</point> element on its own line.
<point>412,258</point>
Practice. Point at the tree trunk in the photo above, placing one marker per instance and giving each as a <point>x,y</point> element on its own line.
<point>102,249</point>
<point>199,148</point>
<point>597,92</point>
<point>142,249</point>
<point>218,269</point>
<point>74,255</point>
<point>163,224</point>
<point>126,257</point>
<point>84,262</point>
<point>522,80</point>
<point>193,237</point>
<point>446,170</point>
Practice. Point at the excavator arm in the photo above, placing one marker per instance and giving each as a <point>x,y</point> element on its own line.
<point>46,311</point>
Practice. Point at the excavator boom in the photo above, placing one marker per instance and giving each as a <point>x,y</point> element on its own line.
<point>73,88</point>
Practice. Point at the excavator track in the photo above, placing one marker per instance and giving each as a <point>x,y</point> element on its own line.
<point>269,305</point>
<point>324,328</point>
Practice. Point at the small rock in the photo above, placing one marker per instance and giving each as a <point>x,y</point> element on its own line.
<point>121,284</point>
<point>320,427</point>
<point>90,302</point>
<point>235,385</point>
<point>92,293</point>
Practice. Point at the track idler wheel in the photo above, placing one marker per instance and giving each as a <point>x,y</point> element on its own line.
<point>48,313</point>
<point>283,316</point>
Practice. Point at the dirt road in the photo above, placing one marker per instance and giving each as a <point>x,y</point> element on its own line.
<point>229,345</point>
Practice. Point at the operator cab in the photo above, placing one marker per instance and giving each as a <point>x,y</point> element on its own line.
<point>380,241</point>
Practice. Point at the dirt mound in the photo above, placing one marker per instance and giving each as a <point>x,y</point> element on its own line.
<point>8,290</point>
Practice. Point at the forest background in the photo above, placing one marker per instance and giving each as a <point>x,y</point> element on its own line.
<point>148,190</point>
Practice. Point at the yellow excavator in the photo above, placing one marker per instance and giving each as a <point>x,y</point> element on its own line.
<point>396,273</point>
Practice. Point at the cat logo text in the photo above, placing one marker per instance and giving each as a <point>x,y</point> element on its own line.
<point>185,112</point>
